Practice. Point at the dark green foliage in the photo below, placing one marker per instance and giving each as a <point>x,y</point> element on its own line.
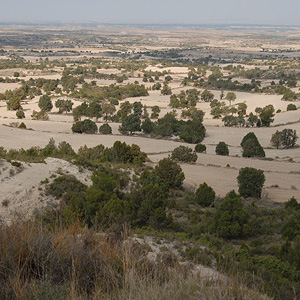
<point>291,228</point>
<point>86,126</point>
<point>251,182</point>
<point>288,138</point>
<point>205,195</point>
<point>63,105</point>
<point>230,121</point>
<point>149,200</point>
<point>156,86</point>
<point>292,204</point>
<point>137,108</point>
<point>112,91</point>
<point>276,139</point>
<point>185,99</point>
<point>184,154</point>
<point>64,150</point>
<point>166,90</point>
<point>105,129</point>
<point>192,131</point>
<point>22,126</point>
<point>14,104</point>
<point>20,114</point>
<point>289,95</point>
<point>80,111</point>
<point>123,153</point>
<point>222,149</point>
<point>148,126</point>
<point>251,146</point>
<point>200,148</point>
<point>266,115</point>
<point>41,115</point>
<point>231,219</point>
<point>45,103</point>
<point>291,107</point>
<point>16,164</point>
<point>65,184</point>
<point>207,96</point>
<point>252,119</point>
<point>170,171</point>
<point>130,124</point>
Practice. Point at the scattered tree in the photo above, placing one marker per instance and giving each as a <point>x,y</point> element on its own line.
<point>184,154</point>
<point>205,195</point>
<point>251,146</point>
<point>251,182</point>
<point>45,103</point>
<point>222,149</point>
<point>200,148</point>
<point>231,96</point>
<point>170,171</point>
<point>105,129</point>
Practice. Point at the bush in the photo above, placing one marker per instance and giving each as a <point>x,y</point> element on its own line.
<point>16,164</point>
<point>286,138</point>
<point>222,149</point>
<point>20,114</point>
<point>45,103</point>
<point>14,104</point>
<point>123,153</point>
<point>86,126</point>
<point>22,126</point>
<point>130,124</point>
<point>205,195</point>
<point>231,220</point>
<point>200,148</point>
<point>170,171</point>
<point>184,154</point>
<point>251,182</point>
<point>251,146</point>
<point>105,129</point>
<point>148,126</point>
<point>291,107</point>
<point>42,115</point>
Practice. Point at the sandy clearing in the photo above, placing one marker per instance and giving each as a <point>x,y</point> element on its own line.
<point>213,170</point>
<point>22,188</point>
<point>8,86</point>
<point>14,138</point>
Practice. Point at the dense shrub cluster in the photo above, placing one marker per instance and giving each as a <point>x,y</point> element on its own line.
<point>191,131</point>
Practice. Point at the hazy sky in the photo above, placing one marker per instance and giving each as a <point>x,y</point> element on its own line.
<point>283,12</point>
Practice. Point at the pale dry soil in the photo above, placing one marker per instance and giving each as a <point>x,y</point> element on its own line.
<point>22,188</point>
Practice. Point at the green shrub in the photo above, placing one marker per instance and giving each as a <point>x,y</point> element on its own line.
<point>251,146</point>
<point>251,182</point>
<point>200,148</point>
<point>205,195</point>
<point>231,220</point>
<point>22,126</point>
<point>291,107</point>
<point>105,129</point>
<point>20,114</point>
<point>42,115</point>
<point>184,154</point>
<point>222,149</point>
<point>170,171</point>
<point>16,164</point>
<point>86,126</point>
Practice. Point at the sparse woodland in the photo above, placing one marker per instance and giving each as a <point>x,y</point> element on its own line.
<point>158,132</point>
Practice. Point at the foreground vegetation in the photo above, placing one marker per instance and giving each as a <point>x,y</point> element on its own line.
<point>86,234</point>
